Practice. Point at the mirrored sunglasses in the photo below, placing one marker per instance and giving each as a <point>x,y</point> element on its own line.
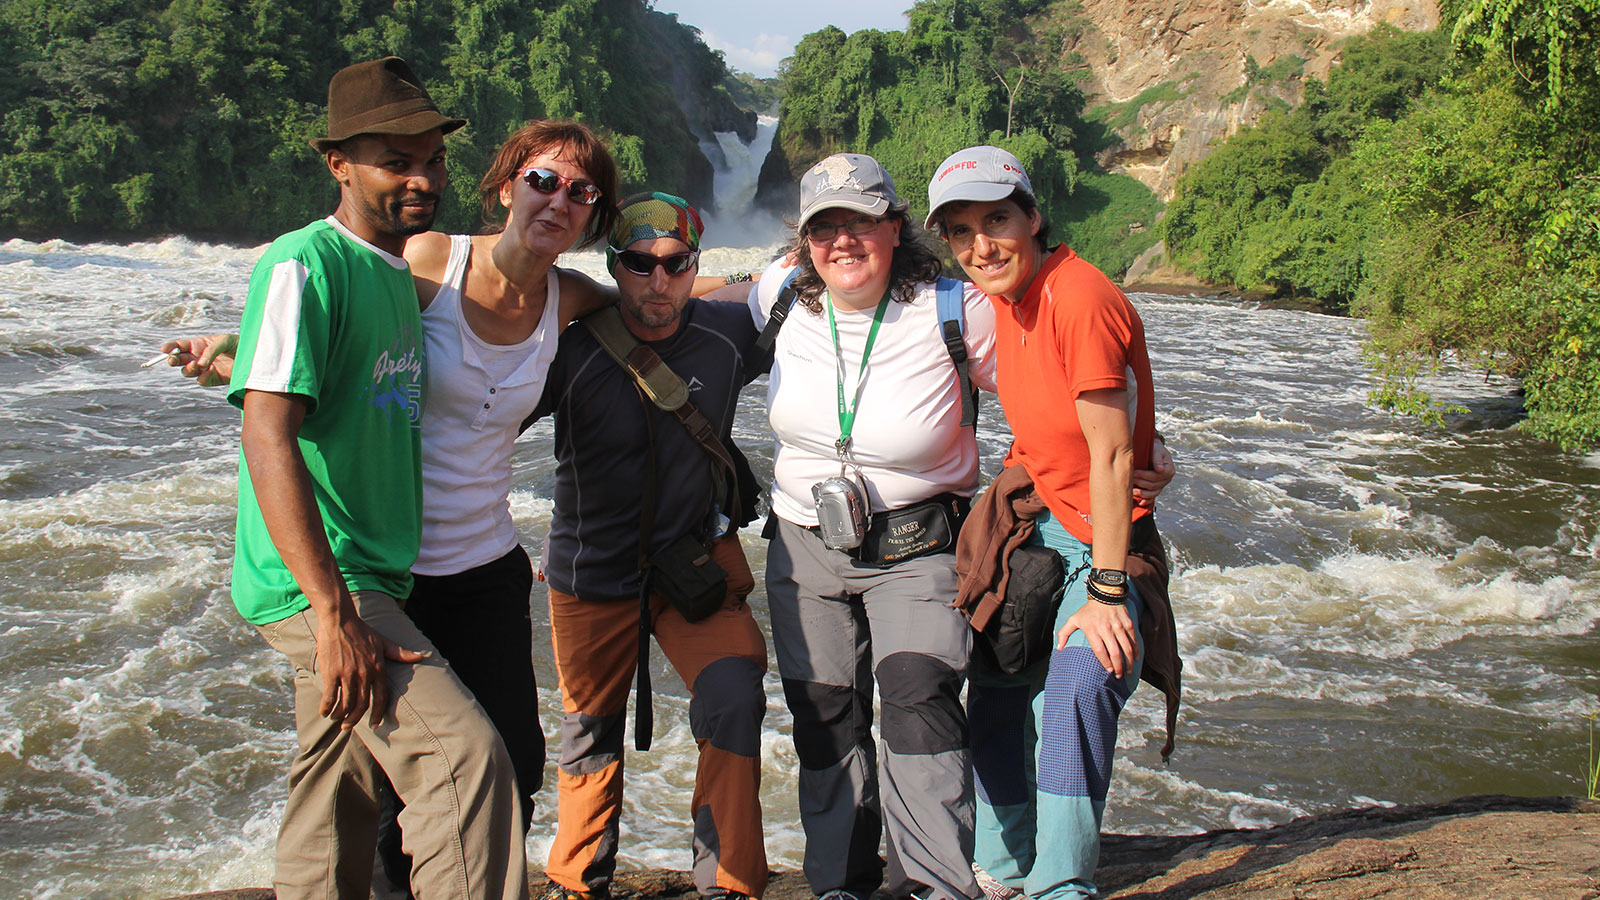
<point>645,263</point>
<point>547,182</point>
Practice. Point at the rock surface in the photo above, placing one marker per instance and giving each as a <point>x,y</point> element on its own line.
<point>1192,57</point>
<point>1474,848</point>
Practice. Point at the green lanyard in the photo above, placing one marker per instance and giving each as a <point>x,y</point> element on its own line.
<point>847,415</point>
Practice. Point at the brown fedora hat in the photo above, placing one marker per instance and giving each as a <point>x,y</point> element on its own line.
<point>381,96</point>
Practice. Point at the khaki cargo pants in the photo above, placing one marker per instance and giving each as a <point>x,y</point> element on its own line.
<point>461,821</point>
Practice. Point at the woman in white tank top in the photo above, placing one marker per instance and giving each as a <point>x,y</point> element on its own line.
<point>493,306</point>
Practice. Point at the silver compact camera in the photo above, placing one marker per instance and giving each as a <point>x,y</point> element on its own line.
<point>841,512</point>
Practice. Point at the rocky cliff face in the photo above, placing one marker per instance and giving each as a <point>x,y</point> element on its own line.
<point>1170,78</point>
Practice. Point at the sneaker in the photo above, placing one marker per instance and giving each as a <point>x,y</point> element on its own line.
<point>553,891</point>
<point>992,888</point>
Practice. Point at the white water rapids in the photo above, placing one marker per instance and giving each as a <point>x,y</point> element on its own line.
<point>1370,609</point>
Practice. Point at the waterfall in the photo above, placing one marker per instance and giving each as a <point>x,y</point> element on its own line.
<point>736,169</point>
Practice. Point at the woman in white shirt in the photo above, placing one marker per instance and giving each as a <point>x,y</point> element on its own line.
<point>492,308</point>
<point>864,399</point>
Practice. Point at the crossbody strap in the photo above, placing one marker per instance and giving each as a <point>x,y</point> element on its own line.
<point>665,389</point>
<point>643,707</point>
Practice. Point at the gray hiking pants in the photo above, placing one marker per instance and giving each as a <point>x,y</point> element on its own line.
<point>839,625</point>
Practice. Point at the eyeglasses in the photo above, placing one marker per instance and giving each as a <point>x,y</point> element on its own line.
<point>547,182</point>
<point>824,232</point>
<point>645,263</point>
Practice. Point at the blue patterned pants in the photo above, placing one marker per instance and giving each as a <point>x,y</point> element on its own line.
<point>1042,744</point>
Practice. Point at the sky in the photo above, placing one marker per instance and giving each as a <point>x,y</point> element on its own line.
<point>754,35</point>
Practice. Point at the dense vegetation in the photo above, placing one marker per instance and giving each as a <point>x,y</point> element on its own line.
<point>1447,188</point>
<point>967,72</point>
<point>1278,206</point>
<point>136,117</point>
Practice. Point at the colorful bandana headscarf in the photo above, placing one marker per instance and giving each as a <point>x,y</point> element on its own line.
<point>649,216</point>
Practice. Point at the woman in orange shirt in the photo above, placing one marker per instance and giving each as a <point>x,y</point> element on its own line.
<point>1074,380</point>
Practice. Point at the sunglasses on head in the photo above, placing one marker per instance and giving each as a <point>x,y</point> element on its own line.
<point>823,232</point>
<point>547,182</point>
<point>645,263</point>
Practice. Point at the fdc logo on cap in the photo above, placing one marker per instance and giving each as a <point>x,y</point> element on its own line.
<point>975,174</point>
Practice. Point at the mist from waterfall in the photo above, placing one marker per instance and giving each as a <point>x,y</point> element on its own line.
<point>734,222</point>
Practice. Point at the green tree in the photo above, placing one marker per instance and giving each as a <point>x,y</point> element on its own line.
<point>963,72</point>
<point>1236,193</point>
<point>137,117</point>
<point>1273,208</point>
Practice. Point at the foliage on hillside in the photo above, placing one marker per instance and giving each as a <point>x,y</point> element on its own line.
<point>1450,198</point>
<point>1269,208</point>
<point>754,93</point>
<point>963,72</point>
<point>135,117</point>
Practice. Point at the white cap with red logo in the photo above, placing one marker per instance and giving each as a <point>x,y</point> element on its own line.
<point>976,173</point>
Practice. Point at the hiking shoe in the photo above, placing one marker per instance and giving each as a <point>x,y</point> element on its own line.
<point>992,888</point>
<point>722,893</point>
<point>553,891</point>
<point>838,894</point>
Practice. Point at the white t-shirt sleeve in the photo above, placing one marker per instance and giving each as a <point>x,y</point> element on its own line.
<point>764,293</point>
<point>980,335</point>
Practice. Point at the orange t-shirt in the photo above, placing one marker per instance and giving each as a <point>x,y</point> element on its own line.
<point>1074,331</point>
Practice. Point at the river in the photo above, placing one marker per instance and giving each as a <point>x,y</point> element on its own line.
<point>1371,610</point>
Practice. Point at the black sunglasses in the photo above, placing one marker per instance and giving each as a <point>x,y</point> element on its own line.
<point>547,182</point>
<point>822,232</point>
<point>645,263</point>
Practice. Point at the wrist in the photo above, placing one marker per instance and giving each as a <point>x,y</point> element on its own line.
<point>333,607</point>
<point>1108,586</point>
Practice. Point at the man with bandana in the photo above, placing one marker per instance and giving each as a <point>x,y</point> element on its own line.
<point>615,451</point>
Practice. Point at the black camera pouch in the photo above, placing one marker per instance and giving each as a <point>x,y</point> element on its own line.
<point>685,574</point>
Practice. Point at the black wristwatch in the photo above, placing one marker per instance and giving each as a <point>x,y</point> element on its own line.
<point>1112,578</point>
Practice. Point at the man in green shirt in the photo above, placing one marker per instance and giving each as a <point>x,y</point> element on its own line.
<point>329,376</point>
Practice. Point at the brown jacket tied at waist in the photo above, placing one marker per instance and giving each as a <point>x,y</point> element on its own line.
<point>1002,520</point>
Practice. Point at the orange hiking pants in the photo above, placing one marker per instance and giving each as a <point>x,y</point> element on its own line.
<point>721,659</point>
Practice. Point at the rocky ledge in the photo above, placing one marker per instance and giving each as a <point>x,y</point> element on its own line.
<point>1474,848</point>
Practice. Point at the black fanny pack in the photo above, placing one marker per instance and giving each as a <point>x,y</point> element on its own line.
<point>921,529</point>
<point>1022,631</point>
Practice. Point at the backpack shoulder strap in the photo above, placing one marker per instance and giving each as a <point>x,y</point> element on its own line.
<point>779,312</point>
<point>952,325</point>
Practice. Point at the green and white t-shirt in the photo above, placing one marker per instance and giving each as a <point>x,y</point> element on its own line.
<point>334,319</point>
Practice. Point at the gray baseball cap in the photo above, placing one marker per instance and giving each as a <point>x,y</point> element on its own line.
<point>846,181</point>
<point>976,173</point>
